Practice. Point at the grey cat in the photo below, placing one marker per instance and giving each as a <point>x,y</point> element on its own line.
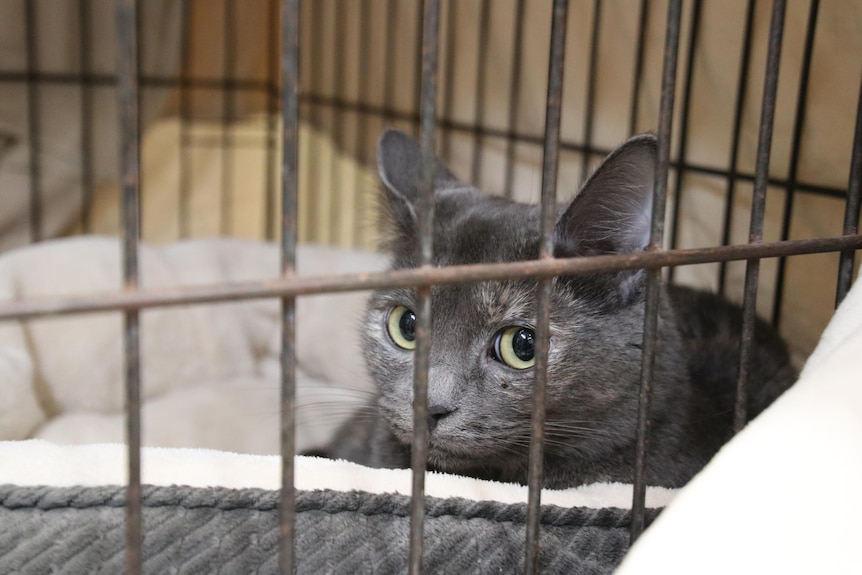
<point>480,381</point>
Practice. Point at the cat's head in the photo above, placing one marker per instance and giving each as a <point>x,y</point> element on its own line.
<point>481,372</point>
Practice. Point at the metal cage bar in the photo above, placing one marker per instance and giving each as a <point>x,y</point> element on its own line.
<point>335,215</point>
<point>479,100</point>
<point>758,207</point>
<point>361,134</point>
<point>185,113</point>
<point>289,188</point>
<point>127,99</point>
<point>592,71</point>
<point>422,353</point>
<point>227,114</point>
<point>272,129</point>
<point>307,285</point>
<point>682,149</point>
<point>651,304</point>
<point>550,169</point>
<point>640,54</point>
<point>739,109</point>
<point>851,210</point>
<point>798,127</point>
<point>34,123</point>
<point>87,180</point>
<point>514,99</point>
<point>449,69</point>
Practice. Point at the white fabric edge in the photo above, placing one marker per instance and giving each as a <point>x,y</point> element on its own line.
<point>38,462</point>
<point>783,496</point>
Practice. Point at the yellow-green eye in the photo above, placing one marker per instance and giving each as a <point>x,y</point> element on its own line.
<point>515,347</point>
<point>402,327</point>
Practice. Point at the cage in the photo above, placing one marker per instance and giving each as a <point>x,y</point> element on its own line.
<point>170,120</point>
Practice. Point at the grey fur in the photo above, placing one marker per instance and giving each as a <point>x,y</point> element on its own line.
<point>482,407</point>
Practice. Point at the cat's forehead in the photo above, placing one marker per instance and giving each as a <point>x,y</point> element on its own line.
<point>474,228</point>
<point>504,302</point>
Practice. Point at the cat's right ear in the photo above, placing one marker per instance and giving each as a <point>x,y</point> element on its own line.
<point>612,212</point>
<point>399,161</point>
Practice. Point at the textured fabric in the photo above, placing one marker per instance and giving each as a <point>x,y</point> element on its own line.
<point>217,530</point>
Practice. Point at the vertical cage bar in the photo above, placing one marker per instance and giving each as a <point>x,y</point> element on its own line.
<point>514,99</point>
<point>185,173</point>
<point>419,60</point>
<point>694,32</point>
<point>479,101</point>
<point>449,68</point>
<point>34,123</point>
<point>360,146</point>
<point>640,55</point>
<point>271,120</point>
<point>289,184</point>
<point>851,210</point>
<point>229,45</point>
<point>651,304</point>
<point>550,169</point>
<point>391,51</point>
<point>792,181</point>
<point>758,206</point>
<point>589,111</point>
<point>334,212</point>
<point>314,204</point>
<point>127,99</point>
<point>425,201</point>
<point>739,110</point>
<point>84,15</point>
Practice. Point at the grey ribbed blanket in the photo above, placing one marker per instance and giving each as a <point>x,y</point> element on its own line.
<point>219,530</point>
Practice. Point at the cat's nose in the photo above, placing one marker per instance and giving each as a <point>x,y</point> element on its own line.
<point>435,414</point>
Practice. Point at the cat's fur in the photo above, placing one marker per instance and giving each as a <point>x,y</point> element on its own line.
<point>481,425</point>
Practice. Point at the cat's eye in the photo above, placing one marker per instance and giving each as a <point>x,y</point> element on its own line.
<point>514,346</point>
<point>401,326</point>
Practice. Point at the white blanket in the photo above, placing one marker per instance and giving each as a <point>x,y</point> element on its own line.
<point>210,372</point>
<point>783,496</point>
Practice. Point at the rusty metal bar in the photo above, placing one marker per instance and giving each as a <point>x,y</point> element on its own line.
<point>651,305</point>
<point>851,210</point>
<point>289,187</point>
<point>592,72</point>
<point>550,169</point>
<point>682,150</point>
<point>418,95</point>
<point>422,353</point>
<point>479,100</point>
<point>419,277</point>
<point>391,53</point>
<point>640,55</point>
<point>739,109</point>
<point>798,126</point>
<point>85,55</point>
<point>127,101</point>
<point>514,99</point>
<point>185,172</point>
<point>360,143</point>
<point>758,207</point>
<point>34,123</point>
<point>226,144</point>
<point>334,214</point>
<point>449,69</point>
<point>272,63</point>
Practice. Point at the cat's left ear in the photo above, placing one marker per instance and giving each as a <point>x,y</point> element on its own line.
<point>611,213</point>
<point>399,161</point>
